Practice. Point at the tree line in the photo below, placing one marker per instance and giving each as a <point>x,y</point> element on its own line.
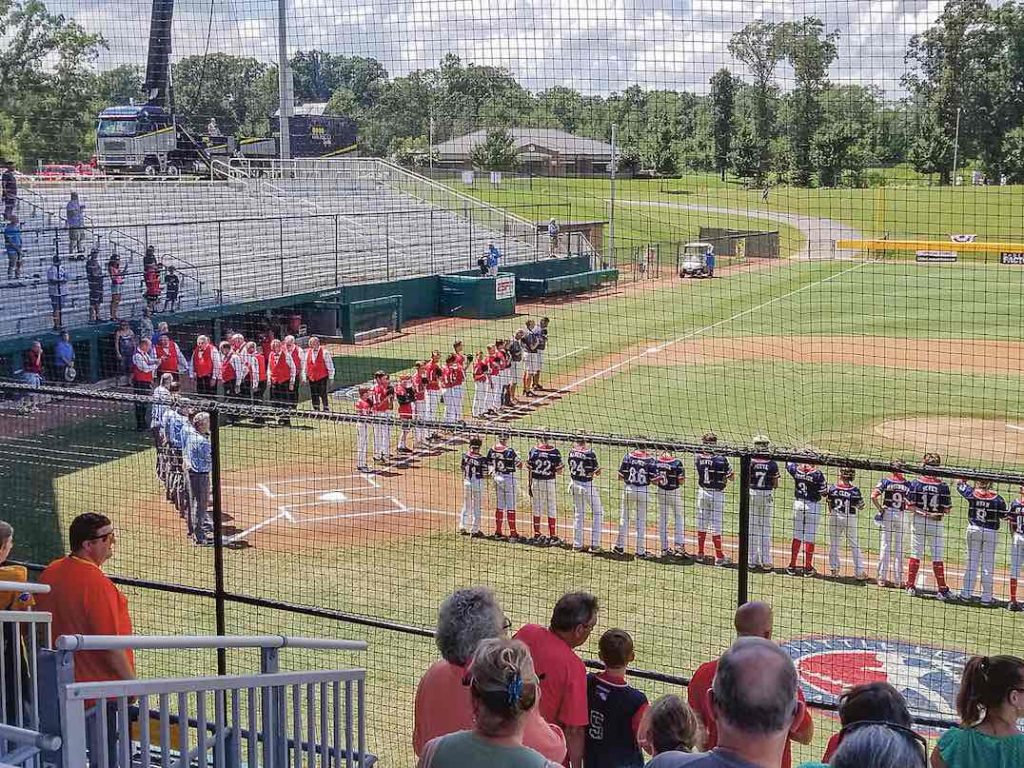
<point>969,65</point>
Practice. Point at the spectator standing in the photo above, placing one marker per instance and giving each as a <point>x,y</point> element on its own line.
<point>172,284</point>
<point>616,707</point>
<point>151,286</point>
<point>9,185</point>
<point>563,675</point>
<point>13,246</point>
<point>990,702</point>
<point>56,279</point>
<point>198,454</point>
<point>162,329</point>
<point>149,258</point>
<point>116,275</point>
<point>64,358</point>
<point>205,367</point>
<point>281,372</point>
<point>503,686</point>
<point>493,258</point>
<point>84,601</point>
<point>32,372</point>
<point>752,620</point>
<point>94,277</point>
<point>298,361</point>
<point>124,349</point>
<point>146,326</point>
<point>161,401</point>
<point>257,374</point>
<point>318,370</point>
<point>75,215</point>
<point>144,365</point>
<point>443,703</point>
<point>709,261</point>
<point>552,238</point>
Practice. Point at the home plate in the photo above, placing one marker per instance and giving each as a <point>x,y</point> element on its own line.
<point>333,496</point>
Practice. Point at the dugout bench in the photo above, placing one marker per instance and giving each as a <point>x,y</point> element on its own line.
<point>533,288</point>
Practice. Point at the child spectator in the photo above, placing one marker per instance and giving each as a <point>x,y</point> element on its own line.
<point>12,244</point>
<point>173,285</point>
<point>669,727</point>
<point>616,708</point>
<point>151,283</point>
<point>94,276</point>
<point>116,284</point>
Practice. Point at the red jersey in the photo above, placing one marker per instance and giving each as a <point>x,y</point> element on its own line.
<point>453,375</point>
<point>494,364</point>
<point>433,372</point>
<point>480,370</point>
<point>383,396</point>
<point>363,407</point>
<point>420,385</point>
<point>202,362</point>
<point>460,359</point>
<point>504,359</point>
<point>406,396</point>
<point>152,278</point>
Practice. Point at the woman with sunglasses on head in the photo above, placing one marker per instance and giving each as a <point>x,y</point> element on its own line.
<point>990,702</point>
<point>878,701</point>
<point>504,689</point>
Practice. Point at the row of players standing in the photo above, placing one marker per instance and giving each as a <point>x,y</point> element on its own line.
<point>926,501</point>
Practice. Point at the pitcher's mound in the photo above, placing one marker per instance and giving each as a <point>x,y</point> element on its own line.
<point>968,439</point>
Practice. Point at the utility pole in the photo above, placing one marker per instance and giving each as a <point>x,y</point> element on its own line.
<point>284,86</point>
<point>956,145</point>
<point>430,142</point>
<point>611,217</point>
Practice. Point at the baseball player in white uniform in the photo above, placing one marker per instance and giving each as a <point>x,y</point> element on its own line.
<point>891,498</point>
<point>583,468</point>
<point>845,500</point>
<point>504,461</point>
<point>764,479</point>
<point>809,487</point>
<point>636,472</point>
<point>713,475</point>
<point>669,476</point>
<point>930,502</point>
<point>544,462</point>
<point>1015,520</point>
<point>474,469</point>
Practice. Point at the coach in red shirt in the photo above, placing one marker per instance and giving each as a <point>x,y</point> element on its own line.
<point>563,676</point>
<point>752,619</point>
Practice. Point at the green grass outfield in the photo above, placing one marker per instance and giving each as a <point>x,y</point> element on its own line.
<point>399,567</point>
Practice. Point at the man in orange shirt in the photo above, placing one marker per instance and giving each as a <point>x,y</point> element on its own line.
<point>752,619</point>
<point>84,601</point>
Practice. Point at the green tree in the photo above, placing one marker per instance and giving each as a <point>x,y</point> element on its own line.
<point>240,92</point>
<point>758,47</point>
<point>317,75</point>
<point>1013,155</point>
<point>931,151</point>
<point>496,153</point>
<point>118,86</point>
<point>838,154</point>
<point>723,106</point>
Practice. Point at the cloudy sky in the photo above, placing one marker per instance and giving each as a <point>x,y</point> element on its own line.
<point>596,46</point>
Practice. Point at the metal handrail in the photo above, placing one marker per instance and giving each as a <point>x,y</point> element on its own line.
<point>179,642</point>
<point>24,586</point>
<point>44,741</point>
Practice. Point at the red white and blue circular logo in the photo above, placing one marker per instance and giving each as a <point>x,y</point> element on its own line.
<point>928,677</point>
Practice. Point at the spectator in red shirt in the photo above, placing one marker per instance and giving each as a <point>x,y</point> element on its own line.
<point>752,619</point>
<point>563,700</point>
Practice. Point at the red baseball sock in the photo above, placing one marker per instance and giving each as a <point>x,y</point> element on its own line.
<point>536,526</point>
<point>512,523</point>
<point>717,541</point>
<point>1013,590</point>
<point>913,566</point>
<point>701,536</point>
<point>498,517</point>
<point>552,532</point>
<point>939,568</point>
<point>808,555</point>
<point>794,552</point>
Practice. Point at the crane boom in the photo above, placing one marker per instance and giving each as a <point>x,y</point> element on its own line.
<point>158,62</point>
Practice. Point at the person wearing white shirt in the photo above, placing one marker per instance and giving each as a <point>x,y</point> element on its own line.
<point>56,279</point>
<point>318,370</point>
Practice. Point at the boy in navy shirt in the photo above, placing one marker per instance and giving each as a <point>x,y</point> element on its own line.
<point>616,708</point>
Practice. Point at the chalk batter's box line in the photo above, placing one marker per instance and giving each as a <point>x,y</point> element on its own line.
<point>266,488</point>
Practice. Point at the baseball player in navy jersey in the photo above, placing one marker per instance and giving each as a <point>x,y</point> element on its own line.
<point>809,486</point>
<point>1015,521</point>
<point>583,468</point>
<point>764,479</point>
<point>985,507</point>
<point>891,498</point>
<point>530,343</point>
<point>669,476</point>
<point>844,501</point>
<point>542,344</point>
<point>713,475</point>
<point>636,472</point>
<point>930,502</point>
<point>504,461</point>
<point>544,462</point>
<point>474,469</point>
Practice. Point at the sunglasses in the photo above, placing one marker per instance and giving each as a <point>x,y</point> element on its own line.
<point>103,537</point>
<point>922,742</point>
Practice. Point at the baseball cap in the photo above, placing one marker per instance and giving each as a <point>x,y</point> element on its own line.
<point>761,440</point>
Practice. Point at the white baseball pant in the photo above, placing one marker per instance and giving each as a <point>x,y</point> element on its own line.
<point>382,439</point>
<point>433,403</point>
<point>925,530</point>
<point>1016,556</point>
<point>481,393</point>
<point>544,499</point>
<point>806,516</point>
<point>710,508</point>
<point>531,362</point>
<point>890,556</point>
<point>981,555</point>
<point>762,507</point>
<point>505,491</point>
<point>671,503</point>
<point>362,442</point>
<point>634,498</point>
<point>453,404</point>
<point>842,527</point>
<point>420,410</point>
<point>472,500</point>
<point>493,402</point>
<point>584,495</point>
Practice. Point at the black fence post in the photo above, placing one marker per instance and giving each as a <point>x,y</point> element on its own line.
<point>220,264</point>
<point>743,555</point>
<point>336,282</point>
<point>218,539</point>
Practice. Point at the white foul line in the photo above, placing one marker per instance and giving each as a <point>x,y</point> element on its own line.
<point>1014,426</point>
<point>569,354</point>
<point>691,334</point>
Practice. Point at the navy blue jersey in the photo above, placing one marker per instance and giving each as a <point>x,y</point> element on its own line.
<point>530,341</point>
<point>504,460</point>
<point>809,482</point>
<point>930,495</point>
<point>1015,518</point>
<point>844,499</point>
<point>984,508</point>
<point>670,473</point>
<point>542,339</point>
<point>713,472</point>
<point>474,466</point>
<point>895,492</point>
<point>582,464</point>
<point>764,474</point>
<point>544,463</point>
<point>610,739</point>
<point>637,469</point>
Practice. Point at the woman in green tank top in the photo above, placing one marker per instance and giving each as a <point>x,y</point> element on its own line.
<point>503,687</point>
<point>990,702</point>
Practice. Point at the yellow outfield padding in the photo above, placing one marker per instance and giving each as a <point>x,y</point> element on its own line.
<point>928,245</point>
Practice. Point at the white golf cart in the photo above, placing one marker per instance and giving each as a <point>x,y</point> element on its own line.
<point>692,260</point>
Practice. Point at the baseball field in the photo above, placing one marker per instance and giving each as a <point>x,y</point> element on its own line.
<point>850,356</point>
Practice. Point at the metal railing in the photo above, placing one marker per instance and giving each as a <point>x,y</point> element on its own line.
<point>271,718</point>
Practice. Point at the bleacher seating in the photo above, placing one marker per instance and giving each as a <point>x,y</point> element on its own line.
<point>250,238</point>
